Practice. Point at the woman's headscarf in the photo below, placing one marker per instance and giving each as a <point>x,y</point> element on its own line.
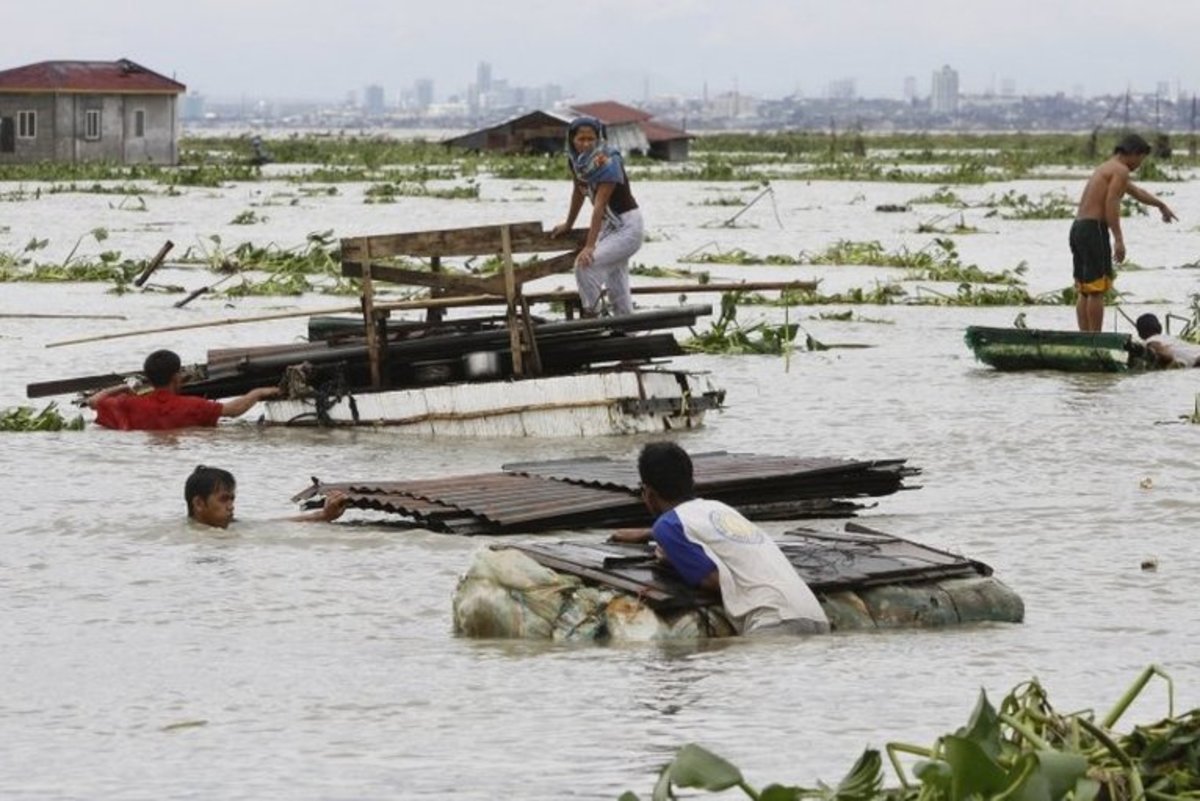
<point>601,164</point>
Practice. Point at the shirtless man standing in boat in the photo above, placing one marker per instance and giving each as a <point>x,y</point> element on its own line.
<point>1099,213</point>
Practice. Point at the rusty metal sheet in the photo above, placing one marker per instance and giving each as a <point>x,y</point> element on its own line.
<point>854,560</point>
<point>600,492</point>
<point>710,470</point>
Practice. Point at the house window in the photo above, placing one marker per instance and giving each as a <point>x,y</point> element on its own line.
<point>91,124</point>
<point>26,124</point>
<point>139,123</point>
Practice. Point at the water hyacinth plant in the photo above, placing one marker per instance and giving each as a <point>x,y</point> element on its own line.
<point>1023,750</point>
<point>726,335</point>
<point>26,418</point>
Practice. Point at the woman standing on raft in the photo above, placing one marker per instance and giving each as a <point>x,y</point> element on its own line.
<point>615,232</point>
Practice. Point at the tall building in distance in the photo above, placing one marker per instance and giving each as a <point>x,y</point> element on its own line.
<point>423,92</point>
<point>841,89</point>
<point>910,89</point>
<point>483,77</point>
<point>373,100</point>
<point>943,99</point>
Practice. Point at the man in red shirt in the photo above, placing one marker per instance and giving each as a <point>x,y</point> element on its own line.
<point>164,408</point>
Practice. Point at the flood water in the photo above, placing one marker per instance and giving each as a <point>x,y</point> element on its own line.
<point>144,659</point>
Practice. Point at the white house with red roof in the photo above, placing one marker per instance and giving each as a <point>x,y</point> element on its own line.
<point>79,111</point>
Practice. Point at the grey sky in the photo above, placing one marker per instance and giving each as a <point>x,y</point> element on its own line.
<point>324,48</point>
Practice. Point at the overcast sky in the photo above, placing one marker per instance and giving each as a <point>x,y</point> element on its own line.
<point>325,48</point>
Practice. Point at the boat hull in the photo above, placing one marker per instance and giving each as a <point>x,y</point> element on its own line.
<point>587,404</point>
<point>1070,351</point>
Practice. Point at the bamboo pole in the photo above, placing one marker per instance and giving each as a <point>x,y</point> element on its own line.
<point>424,303</point>
<point>155,263</point>
<point>446,303</point>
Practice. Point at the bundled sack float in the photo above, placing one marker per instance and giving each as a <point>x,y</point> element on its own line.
<point>609,592</point>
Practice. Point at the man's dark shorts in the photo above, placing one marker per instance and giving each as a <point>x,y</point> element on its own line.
<point>1092,254</point>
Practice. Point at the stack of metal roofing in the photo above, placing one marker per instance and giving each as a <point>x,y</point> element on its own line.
<point>605,493</point>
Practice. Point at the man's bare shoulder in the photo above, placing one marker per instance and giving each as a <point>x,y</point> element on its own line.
<point>1113,168</point>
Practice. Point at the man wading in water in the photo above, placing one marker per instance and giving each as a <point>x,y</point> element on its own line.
<point>1099,213</point>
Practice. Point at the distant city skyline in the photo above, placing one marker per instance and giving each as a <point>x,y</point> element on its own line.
<point>625,49</point>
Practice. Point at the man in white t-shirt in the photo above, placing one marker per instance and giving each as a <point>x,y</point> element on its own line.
<point>713,547</point>
<point>1170,351</point>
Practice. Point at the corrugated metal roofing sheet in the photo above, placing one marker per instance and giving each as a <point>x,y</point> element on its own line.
<point>709,469</point>
<point>102,77</point>
<point>600,492</point>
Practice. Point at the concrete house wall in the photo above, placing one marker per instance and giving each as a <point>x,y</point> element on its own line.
<point>114,95</point>
<point>62,128</point>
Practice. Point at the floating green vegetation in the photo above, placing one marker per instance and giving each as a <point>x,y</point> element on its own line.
<point>728,336</point>
<point>849,316</point>
<point>972,295</point>
<point>208,175</point>
<point>736,256</point>
<point>108,265</point>
<point>724,200</point>
<point>936,261</point>
<point>26,418</point>
<point>130,203</point>
<point>941,196</point>
<point>879,295</point>
<point>1013,205</point>
<point>247,217</point>
<point>938,225</point>
<point>658,271</point>
<point>388,192</point>
<point>1023,750</point>
<point>314,266</point>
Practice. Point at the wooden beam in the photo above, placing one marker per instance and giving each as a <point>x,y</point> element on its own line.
<point>525,237</point>
<point>510,297</point>
<point>368,304</point>
<point>452,283</point>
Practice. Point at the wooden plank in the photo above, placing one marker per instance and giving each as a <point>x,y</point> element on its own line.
<point>510,297</point>
<point>449,283</point>
<point>368,302</point>
<point>459,283</point>
<point>526,237</point>
<point>435,315</point>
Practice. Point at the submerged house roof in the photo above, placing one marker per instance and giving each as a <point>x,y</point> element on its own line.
<point>87,77</point>
<point>629,130</point>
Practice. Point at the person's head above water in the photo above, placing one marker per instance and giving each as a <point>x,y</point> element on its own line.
<point>210,493</point>
<point>160,367</point>
<point>1147,326</point>
<point>666,473</point>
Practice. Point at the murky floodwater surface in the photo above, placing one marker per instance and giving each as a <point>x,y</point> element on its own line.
<point>145,659</point>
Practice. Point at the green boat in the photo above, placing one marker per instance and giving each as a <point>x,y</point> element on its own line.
<point>1072,351</point>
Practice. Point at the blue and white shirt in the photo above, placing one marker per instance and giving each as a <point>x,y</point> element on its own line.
<point>759,586</point>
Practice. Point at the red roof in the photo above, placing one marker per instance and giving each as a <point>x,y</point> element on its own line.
<point>657,132</point>
<point>612,113</point>
<point>88,77</point>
